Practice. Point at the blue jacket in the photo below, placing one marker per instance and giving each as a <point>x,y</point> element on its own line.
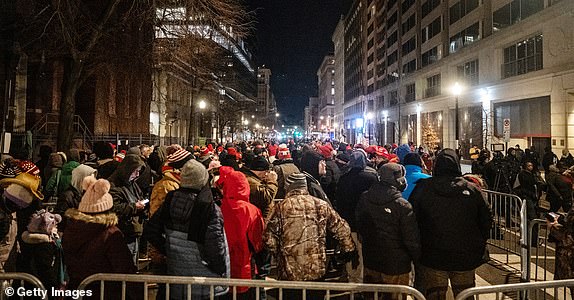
<point>414,173</point>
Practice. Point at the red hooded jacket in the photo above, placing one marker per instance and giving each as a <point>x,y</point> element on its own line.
<point>243,222</point>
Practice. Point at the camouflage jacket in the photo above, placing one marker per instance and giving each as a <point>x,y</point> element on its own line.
<point>296,234</point>
<point>564,237</point>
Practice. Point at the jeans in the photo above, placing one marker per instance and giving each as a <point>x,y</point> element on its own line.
<point>134,250</point>
<point>434,283</point>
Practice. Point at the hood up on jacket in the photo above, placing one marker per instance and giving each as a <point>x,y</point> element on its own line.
<point>358,160</point>
<point>129,164</point>
<point>235,184</point>
<point>78,174</point>
<point>447,164</point>
<point>310,163</point>
<point>402,151</point>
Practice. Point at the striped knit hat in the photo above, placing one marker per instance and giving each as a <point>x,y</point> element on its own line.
<point>296,181</point>
<point>179,158</point>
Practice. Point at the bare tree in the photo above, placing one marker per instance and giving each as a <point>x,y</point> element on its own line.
<point>88,35</point>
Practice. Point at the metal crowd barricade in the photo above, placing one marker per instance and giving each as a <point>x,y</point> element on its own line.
<point>9,279</point>
<point>510,221</point>
<point>539,253</point>
<point>555,289</point>
<point>332,290</point>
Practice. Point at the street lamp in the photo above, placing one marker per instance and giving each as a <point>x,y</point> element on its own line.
<point>370,116</point>
<point>202,105</point>
<point>456,91</point>
<point>386,116</point>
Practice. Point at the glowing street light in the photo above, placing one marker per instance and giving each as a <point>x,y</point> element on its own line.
<point>456,91</point>
<point>202,104</point>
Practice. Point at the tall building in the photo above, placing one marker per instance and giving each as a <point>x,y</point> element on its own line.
<point>338,39</point>
<point>194,104</point>
<point>326,97</point>
<point>513,61</point>
<point>311,117</point>
<point>266,106</point>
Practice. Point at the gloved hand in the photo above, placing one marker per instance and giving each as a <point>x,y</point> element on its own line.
<point>345,257</point>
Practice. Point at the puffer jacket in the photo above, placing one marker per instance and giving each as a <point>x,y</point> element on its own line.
<point>44,258</point>
<point>243,223</point>
<point>296,234</point>
<point>188,229</point>
<point>454,220</point>
<point>169,182</point>
<point>387,224</point>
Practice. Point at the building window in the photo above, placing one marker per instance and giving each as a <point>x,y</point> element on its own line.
<point>461,9</point>
<point>408,24</point>
<point>464,38</point>
<point>433,86</point>
<point>332,91</point>
<point>392,58</point>
<point>409,46</point>
<point>392,20</point>
<point>410,67</point>
<point>468,72</point>
<point>514,12</point>
<point>429,6</point>
<point>410,93</point>
<point>393,98</point>
<point>406,4</point>
<point>430,56</point>
<point>523,57</point>
<point>431,30</point>
<point>392,39</point>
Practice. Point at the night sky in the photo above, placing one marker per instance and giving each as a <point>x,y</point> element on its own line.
<point>291,38</point>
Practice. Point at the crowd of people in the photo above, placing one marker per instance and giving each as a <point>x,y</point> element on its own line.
<point>393,214</point>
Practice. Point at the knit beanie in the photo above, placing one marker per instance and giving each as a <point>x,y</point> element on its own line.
<point>326,151</point>
<point>283,153</point>
<point>96,199</point>
<point>412,158</point>
<point>194,175</point>
<point>44,222</point>
<point>259,163</point>
<point>18,195</point>
<point>179,158</point>
<point>296,181</point>
<point>393,174</point>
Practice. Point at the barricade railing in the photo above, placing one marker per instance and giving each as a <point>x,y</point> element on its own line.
<point>10,282</point>
<point>555,289</point>
<point>510,221</point>
<point>538,251</point>
<point>279,289</point>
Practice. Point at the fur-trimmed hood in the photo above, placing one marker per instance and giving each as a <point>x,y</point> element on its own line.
<point>107,219</point>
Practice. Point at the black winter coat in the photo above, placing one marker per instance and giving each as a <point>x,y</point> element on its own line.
<point>454,223</point>
<point>387,224</point>
<point>349,190</point>
<point>330,180</point>
<point>69,198</point>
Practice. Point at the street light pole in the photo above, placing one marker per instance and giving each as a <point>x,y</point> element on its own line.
<point>456,90</point>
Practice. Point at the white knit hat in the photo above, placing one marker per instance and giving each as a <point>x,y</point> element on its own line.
<point>96,199</point>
